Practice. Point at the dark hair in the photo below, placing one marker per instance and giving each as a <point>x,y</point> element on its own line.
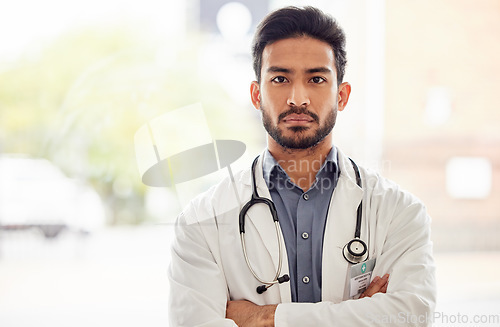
<point>290,22</point>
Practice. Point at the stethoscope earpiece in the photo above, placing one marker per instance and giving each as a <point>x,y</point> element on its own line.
<point>262,288</point>
<point>254,200</point>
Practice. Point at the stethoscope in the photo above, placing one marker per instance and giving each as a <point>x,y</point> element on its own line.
<point>355,251</point>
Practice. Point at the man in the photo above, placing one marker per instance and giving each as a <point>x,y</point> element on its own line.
<point>299,61</point>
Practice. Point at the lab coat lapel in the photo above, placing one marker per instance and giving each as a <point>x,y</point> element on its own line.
<point>260,217</point>
<point>339,230</point>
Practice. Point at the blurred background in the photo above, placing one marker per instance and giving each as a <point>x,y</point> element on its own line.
<point>84,241</point>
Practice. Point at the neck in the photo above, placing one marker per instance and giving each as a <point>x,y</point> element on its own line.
<point>301,165</point>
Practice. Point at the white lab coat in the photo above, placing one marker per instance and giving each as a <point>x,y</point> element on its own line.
<point>208,267</point>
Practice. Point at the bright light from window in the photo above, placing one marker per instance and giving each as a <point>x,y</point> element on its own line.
<point>439,106</point>
<point>234,20</point>
<point>468,177</point>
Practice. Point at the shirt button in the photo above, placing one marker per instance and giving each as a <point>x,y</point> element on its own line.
<point>305,280</point>
<point>305,235</point>
<point>306,196</point>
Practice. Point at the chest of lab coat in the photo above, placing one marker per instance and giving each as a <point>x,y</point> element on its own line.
<point>393,223</point>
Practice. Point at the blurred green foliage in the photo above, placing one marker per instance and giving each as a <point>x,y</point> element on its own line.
<point>79,101</point>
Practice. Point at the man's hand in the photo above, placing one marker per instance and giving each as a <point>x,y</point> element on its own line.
<point>246,313</point>
<point>378,285</point>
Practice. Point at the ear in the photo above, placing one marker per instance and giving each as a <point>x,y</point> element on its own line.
<point>343,95</point>
<point>255,94</point>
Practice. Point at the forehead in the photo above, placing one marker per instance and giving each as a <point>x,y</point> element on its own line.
<point>298,53</point>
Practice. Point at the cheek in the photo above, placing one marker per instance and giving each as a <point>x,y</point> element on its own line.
<point>324,94</point>
<point>274,94</point>
<point>333,98</point>
<point>325,101</point>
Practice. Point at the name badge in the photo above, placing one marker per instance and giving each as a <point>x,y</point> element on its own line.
<point>360,275</point>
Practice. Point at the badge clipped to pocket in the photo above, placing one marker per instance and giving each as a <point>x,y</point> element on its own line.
<point>360,275</point>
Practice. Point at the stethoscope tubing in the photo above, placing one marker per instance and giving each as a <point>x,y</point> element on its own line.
<point>254,200</point>
<point>357,232</point>
<point>351,256</point>
<point>280,259</point>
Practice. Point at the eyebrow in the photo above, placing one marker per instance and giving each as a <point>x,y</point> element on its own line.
<point>318,70</point>
<point>277,69</point>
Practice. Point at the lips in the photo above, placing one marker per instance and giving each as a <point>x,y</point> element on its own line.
<point>298,115</point>
<point>298,119</point>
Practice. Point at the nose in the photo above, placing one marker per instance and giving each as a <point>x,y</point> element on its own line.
<point>298,96</point>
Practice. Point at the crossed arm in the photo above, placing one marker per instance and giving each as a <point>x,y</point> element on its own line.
<point>199,289</point>
<point>245,313</point>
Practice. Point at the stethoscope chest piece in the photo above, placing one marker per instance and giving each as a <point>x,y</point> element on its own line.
<point>355,251</point>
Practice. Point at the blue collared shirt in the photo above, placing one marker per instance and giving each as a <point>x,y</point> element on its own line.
<point>302,216</point>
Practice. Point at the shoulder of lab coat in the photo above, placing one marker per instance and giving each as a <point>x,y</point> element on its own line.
<point>208,269</point>
<point>198,287</point>
<point>397,229</point>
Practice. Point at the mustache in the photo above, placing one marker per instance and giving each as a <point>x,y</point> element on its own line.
<point>298,111</point>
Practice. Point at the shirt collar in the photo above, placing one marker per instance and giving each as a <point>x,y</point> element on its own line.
<point>269,164</point>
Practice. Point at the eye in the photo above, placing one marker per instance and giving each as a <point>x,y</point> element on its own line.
<point>279,79</point>
<point>318,80</point>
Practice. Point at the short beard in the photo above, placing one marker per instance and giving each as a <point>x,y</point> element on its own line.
<point>299,141</point>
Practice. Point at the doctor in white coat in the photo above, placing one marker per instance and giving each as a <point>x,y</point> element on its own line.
<point>299,90</point>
